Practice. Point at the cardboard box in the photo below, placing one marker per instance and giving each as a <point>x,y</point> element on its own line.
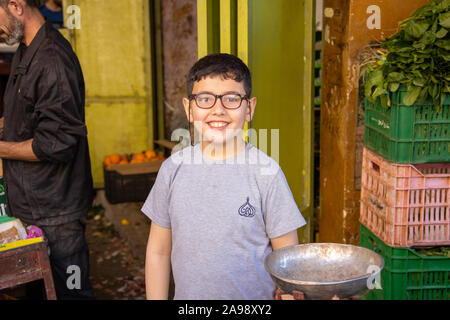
<point>12,231</point>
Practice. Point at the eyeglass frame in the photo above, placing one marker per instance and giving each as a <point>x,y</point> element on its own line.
<point>218,96</point>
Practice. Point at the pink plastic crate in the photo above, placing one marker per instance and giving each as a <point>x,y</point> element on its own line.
<point>406,205</point>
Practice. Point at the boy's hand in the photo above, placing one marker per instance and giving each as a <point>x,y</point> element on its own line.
<point>296,295</point>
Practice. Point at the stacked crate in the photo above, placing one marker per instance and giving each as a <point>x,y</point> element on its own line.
<point>3,216</point>
<point>405,196</point>
<point>317,103</point>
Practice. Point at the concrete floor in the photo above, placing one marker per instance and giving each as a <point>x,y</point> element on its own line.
<point>135,233</point>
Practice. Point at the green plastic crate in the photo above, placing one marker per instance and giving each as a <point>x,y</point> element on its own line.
<point>3,217</point>
<point>408,134</point>
<point>408,275</point>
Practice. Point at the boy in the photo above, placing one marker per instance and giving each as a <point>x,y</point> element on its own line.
<point>216,213</point>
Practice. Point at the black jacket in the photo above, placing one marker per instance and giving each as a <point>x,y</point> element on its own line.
<point>44,100</point>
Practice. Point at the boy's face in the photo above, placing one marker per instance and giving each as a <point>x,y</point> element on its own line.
<point>218,124</point>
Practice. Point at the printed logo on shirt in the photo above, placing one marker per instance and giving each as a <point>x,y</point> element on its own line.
<point>247,210</point>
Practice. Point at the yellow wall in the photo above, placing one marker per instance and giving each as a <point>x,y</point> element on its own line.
<point>113,46</point>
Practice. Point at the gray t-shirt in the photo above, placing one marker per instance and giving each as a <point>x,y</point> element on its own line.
<point>223,214</point>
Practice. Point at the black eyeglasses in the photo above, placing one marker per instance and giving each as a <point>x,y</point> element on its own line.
<point>208,100</point>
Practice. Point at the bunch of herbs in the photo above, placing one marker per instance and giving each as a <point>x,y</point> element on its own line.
<point>417,57</point>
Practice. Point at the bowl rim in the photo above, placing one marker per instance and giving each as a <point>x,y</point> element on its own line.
<point>315,283</point>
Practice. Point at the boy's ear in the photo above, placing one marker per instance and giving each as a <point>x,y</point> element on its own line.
<point>251,109</point>
<point>186,103</point>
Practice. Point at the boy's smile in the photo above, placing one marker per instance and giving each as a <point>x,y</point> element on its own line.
<point>219,125</point>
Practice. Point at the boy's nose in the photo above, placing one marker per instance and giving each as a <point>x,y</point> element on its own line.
<point>218,107</point>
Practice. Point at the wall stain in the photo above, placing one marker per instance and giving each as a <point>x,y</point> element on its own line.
<point>179,41</point>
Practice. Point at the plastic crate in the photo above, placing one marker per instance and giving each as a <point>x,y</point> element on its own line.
<point>121,188</point>
<point>4,219</point>
<point>408,275</point>
<point>408,134</point>
<point>405,205</point>
<point>3,215</point>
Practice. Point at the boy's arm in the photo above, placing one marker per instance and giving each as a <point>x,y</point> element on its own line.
<point>285,240</point>
<point>157,263</point>
<point>288,239</point>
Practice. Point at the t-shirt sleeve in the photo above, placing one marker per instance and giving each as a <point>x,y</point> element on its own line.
<point>156,207</point>
<point>282,213</point>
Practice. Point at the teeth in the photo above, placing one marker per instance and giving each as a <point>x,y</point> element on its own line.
<point>218,124</point>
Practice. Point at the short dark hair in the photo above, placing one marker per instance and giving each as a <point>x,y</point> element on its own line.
<point>30,3</point>
<point>220,64</point>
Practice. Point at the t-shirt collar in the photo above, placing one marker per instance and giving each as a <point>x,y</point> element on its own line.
<point>241,156</point>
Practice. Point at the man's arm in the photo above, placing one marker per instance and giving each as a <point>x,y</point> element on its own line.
<point>18,151</point>
<point>2,124</point>
<point>157,263</point>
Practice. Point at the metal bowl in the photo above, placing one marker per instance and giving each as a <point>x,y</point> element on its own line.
<point>322,270</point>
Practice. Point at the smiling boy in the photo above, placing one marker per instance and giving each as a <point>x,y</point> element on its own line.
<point>215,212</point>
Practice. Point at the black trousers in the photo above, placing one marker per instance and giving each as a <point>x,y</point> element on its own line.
<point>69,260</point>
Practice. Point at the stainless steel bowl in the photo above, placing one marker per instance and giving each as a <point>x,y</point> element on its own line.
<point>322,270</point>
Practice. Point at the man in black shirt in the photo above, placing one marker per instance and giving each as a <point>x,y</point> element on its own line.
<point>44,145</point>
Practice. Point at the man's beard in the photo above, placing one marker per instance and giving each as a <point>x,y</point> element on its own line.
<point>16,31</point>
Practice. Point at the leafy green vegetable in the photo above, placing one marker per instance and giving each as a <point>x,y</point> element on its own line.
<point>416,58</point>
<point>411,96</point>
<point>435,252</point>
<point>444,19</point>
<point>393,86</point>
<point>417,29</point>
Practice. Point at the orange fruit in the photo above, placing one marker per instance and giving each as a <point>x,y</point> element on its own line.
<point>107,161</point>
<point>123,158</point>
<point>125,161</point>
<point>150,154</point>
<point>139,157</point>
<point>115,158</point>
